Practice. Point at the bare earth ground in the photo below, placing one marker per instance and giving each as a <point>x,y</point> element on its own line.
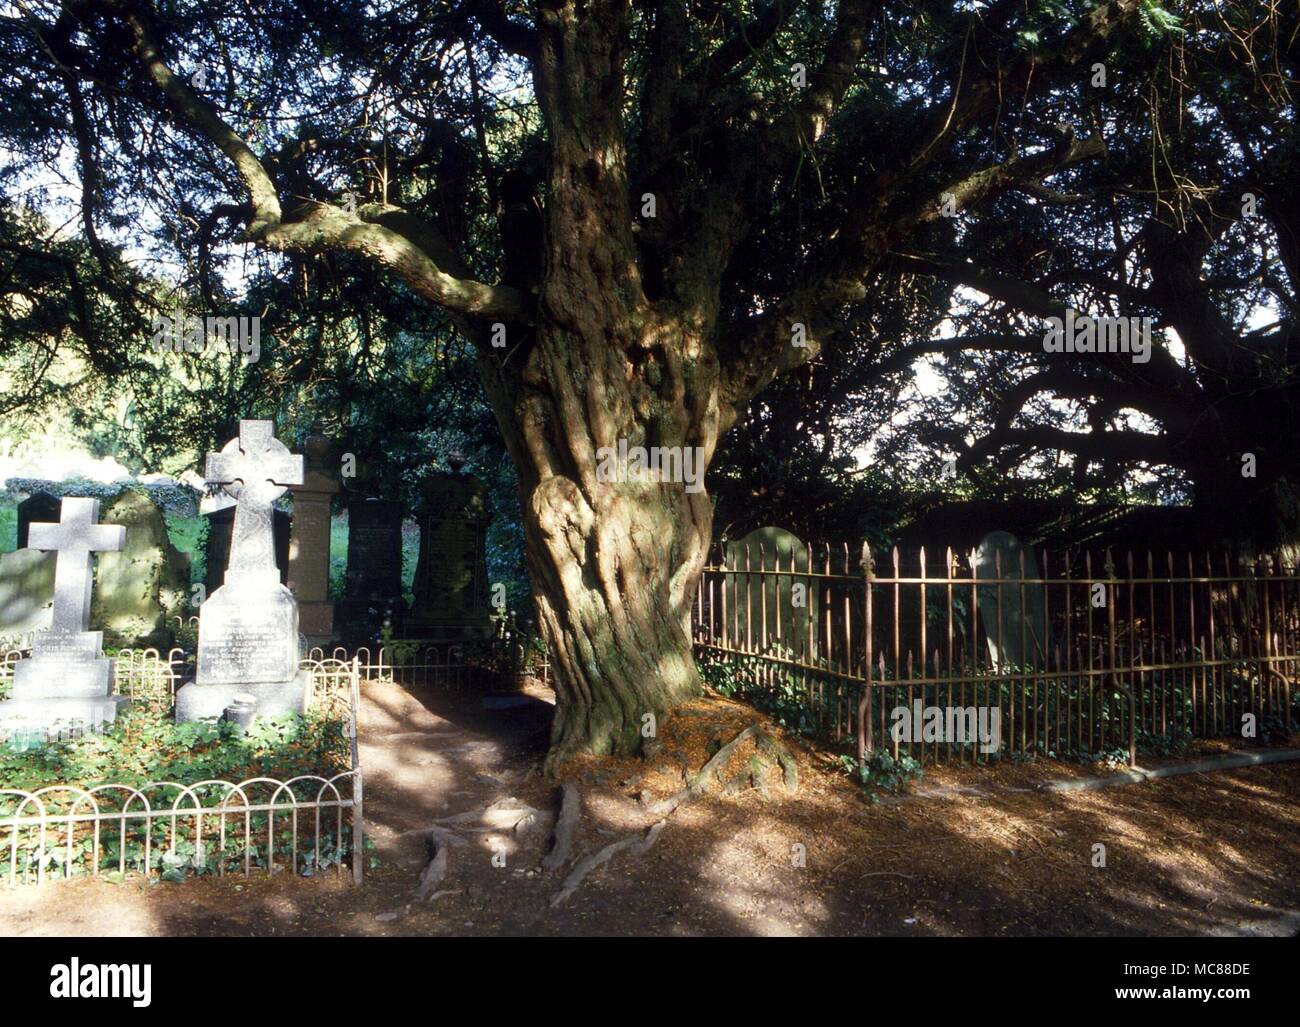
<point>1199,854</point>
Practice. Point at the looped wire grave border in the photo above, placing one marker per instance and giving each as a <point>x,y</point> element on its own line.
<point>61,833</point>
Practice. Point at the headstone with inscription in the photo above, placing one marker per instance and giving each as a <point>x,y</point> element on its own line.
<point>1013,615</point>
<point>67,681</point>
<point>451,586</point>
<point>309,543</point>
<point>248,628</point>
<point>374,580</point>
<point>777,608</point>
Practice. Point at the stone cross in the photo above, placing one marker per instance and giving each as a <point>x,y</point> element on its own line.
<point>255,469</point>
<point>75,537</point>
<point>66,680</point>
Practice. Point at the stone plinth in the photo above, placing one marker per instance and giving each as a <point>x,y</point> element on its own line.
<point>309,543</point>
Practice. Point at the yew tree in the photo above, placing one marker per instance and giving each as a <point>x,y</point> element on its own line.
<point>639,214</point>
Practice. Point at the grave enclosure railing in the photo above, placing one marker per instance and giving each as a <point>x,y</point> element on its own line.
<point>307,824</point>
<point>1083,655</point>
<point>500,661</point>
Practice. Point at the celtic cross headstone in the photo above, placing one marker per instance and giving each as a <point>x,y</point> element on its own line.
<point>248,628</point>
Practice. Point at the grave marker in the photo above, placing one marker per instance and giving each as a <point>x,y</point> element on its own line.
<point>67,680</point>
<point>374,578</point>
<point>786,600</point>
<point>309,543</point>
<point>451,586</point>
<point>248,628</point>
<point>1006,649</point>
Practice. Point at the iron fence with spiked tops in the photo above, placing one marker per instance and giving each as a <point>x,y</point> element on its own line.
<point>1074,654</point>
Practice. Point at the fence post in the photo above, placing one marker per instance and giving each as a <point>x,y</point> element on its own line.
<point>358,792</point>
<point>865,741</point>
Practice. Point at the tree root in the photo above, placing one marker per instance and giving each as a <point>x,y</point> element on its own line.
<point>562,841</point>
<point>639,845</point>
<point>440,842</point>
<point>752,774</point>
<point>508,814</point>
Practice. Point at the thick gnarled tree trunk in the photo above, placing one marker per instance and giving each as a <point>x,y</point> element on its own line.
<point>614,563</point>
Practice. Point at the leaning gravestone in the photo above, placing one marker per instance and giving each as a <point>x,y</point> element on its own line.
<point>1022,639</point>
<point>67,681</point>
<point>787,601</point>
<point>248,628</point>
<point>130,583</point>
<point>26,591</point>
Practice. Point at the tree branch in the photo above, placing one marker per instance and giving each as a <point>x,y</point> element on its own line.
<point>391,238</point>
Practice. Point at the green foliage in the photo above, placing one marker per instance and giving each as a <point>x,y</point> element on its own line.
<point>177,500</point>
<point>881,772</point>
<point>1159,22</point>
<point>190,535</point>
<point>145,745</point>
<point>781,693</point>
<point>397,652</point>
<point>8,528</point>
<point>338,558</point>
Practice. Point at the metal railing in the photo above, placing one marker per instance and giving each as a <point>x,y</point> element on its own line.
<point>452,665</point>
<point>1079,654</point>
<point>176,829</point>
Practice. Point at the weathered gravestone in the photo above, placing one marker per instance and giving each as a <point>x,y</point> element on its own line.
<point>776,606</point>
<point>374,580</point>
<point>1014,616</point>
<point>309,543</point>
<point>67,680</point>
<point>248,628</point>
<point>26,591</point>
<point>451,586</point>
<point>138,586</point>
<point>221,528</point>
<point>39,506</point>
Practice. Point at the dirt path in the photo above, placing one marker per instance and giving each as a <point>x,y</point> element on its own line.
<point>1199,854</point>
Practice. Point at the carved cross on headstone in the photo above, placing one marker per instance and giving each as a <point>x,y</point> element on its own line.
<point>74,538</point>
<point>255,469</point>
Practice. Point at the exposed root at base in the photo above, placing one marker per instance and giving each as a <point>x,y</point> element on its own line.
<point>440,842</point>
<point>565,824</point>
<point>638,845</point>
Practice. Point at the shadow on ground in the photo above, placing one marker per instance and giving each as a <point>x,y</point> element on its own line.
<point>1187,855</point>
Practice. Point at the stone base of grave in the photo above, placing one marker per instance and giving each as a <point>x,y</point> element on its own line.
<point>199,702</point>
<point>248,631</point>
<point>57,714</point>
<point>91,680</point>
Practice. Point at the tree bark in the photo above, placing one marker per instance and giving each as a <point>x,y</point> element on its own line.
<point>614,562</point>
